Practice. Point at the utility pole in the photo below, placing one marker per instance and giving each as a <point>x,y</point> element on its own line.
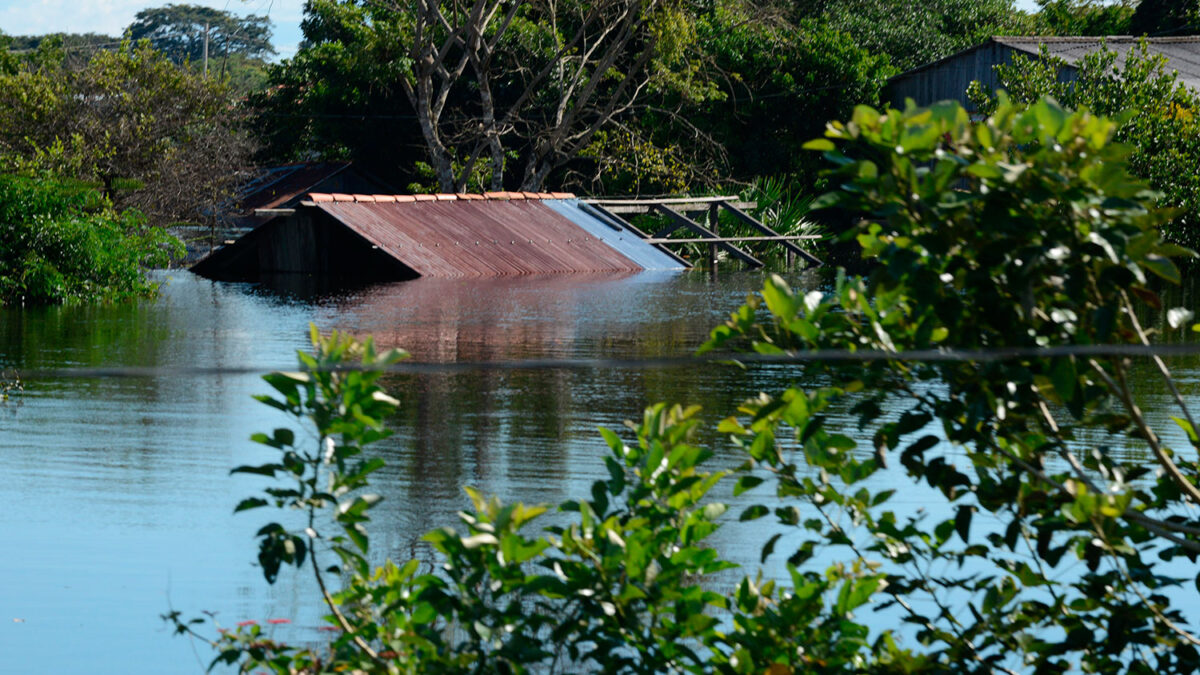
<point>206,50</point>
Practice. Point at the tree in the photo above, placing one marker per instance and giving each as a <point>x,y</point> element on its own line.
<point>179,32</point>
<point>779,83</point>
<point>502,93</point>
<point>1166,17</point>
<point>1084,17</point>
<point>987,355</point>
<point>151,135</point>
<point>76,49</point>
<point>915,33</point>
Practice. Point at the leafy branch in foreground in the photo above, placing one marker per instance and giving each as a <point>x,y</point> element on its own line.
<point>1059,500</point>
<point>620,582</point>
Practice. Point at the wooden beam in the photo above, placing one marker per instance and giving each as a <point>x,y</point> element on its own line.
<point>697,204</point>
<point>713,240</point>
<point>790,247</point>
<point>666,230</point>
<point>708,234</point>
<point>669,201</point>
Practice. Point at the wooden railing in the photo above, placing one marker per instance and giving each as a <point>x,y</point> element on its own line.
<point>682,213</point>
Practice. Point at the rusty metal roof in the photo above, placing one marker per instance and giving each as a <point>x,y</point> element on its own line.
<point>503,234</point>
<point>494,234</point>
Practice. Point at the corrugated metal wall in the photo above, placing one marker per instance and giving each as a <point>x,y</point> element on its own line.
<point>948,79</point>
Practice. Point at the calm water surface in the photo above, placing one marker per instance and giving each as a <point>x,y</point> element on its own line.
<point>118,496</point>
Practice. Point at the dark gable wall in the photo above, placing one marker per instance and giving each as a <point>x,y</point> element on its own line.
<point>948,79</point>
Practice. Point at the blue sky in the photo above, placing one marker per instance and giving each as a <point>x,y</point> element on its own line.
<point>32,17</point>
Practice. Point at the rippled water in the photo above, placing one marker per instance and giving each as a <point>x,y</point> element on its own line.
<point>117,495</point>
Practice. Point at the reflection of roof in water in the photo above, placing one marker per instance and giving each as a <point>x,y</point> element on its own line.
<point>517,318</point>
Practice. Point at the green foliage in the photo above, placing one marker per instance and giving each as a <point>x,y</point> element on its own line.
<point>780,83</point>
<point>178,31</point>
<point>1165,17</point>
<point>1051,507</point>
<point>915,33</point>
<point>1084,17</point>
<point>731,88</point>
<point>151,135</point>
<point>65,244</point>
<point>72,50</point>
<point>1156,110</point>
<point>1022,231</point>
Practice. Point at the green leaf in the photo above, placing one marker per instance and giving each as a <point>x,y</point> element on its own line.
<point>746,483</point>
<point>753,512</point>
<point>855,592</point>
<point>1162,267</point>
<point>1187,428</point>
<point>1064,378</point>
<point>769,547</point>
<point>261,470</point>
<point>250,503</point>
<point>962,522</point>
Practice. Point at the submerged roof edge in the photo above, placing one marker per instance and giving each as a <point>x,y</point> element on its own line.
<point>324,198</point>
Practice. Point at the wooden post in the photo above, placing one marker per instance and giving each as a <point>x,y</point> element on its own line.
<point>715,226</point>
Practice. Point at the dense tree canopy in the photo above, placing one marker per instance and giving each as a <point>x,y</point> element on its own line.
<point>179,31</point>
<point>64,243</point>
<point>151,135</point>
<point>913,33</point>
<point>1166,17</point>
<point>712,92</point>
<point>1084,17</point>
<point>76,48</point>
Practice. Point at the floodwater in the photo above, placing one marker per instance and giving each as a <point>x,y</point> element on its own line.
<point>117,494</point>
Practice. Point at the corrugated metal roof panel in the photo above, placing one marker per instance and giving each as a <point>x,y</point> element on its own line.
<point>463,238</point>
<point>627,243</point>
<point>1183,53</point>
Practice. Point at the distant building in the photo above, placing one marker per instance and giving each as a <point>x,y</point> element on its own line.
<point>282,187</point>
<point>948,78</point>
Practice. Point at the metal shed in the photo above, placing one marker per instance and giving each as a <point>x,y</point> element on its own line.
<point>397,237</point>
<point>948,78</point>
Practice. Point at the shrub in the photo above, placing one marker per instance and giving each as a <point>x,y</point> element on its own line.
<point>64,243</point>
<point>1156,113</point>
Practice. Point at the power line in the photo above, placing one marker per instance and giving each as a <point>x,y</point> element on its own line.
<point>659,363</point>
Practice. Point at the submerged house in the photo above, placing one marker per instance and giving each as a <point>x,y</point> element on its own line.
<point>948,78</point>
<point>398,237</point>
